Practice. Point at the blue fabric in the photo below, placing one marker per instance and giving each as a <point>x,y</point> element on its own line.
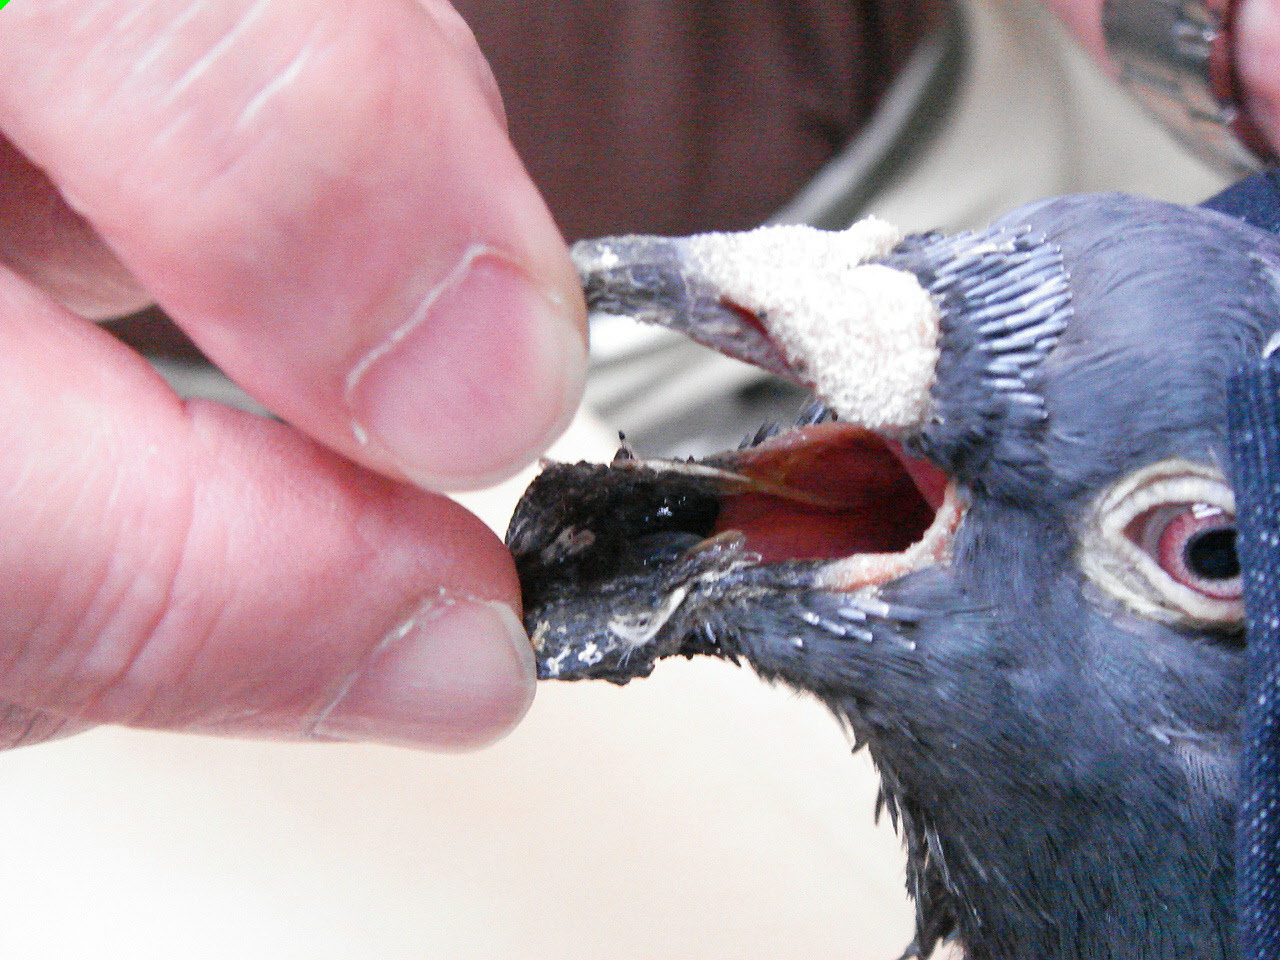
<point>1254,397</point>
<point>1254,394</point>
<point>1255,201</point>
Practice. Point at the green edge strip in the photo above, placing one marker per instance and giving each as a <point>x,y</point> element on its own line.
<point>2,3</point>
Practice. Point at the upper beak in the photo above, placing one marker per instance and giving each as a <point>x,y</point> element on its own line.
<point>654,280</point>
<point>810,305</point>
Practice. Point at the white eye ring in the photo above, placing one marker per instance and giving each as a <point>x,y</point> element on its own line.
<point>1111,559</point>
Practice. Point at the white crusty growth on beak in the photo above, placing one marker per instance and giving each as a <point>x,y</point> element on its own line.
<point>863,335</point>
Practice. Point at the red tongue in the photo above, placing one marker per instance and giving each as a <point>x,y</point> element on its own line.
<point>866,497</point>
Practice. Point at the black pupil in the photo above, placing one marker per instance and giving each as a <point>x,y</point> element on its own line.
<point>1212,554</point>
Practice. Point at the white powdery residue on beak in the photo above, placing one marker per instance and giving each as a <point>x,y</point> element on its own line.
<point>865,336</point>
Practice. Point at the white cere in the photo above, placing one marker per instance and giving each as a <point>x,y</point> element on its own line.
<point>866,335</point>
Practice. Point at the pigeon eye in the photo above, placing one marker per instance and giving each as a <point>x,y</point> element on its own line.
<point>1194,543</point>
<point>1163,542</point>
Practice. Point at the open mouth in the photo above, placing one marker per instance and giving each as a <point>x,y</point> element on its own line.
<point>839,493</point>
<point>626,563</point>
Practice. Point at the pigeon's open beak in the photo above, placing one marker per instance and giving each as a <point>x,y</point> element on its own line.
<point>812,306</point>
<point>836,503</point>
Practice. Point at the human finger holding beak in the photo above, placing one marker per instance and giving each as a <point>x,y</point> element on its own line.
<point>324,197</point>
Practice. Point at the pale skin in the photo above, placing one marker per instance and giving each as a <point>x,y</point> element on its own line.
<point>323,195</point>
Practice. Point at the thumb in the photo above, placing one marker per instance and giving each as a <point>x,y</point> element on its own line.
<point>186,566</point>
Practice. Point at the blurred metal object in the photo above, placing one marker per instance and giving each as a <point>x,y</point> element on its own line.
<point>1177,58</point>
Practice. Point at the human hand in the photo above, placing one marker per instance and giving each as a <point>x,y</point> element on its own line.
<point>1256,47</point>
<point>322,194</point>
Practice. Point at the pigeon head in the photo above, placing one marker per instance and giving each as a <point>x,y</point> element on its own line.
<point>1006,563</point>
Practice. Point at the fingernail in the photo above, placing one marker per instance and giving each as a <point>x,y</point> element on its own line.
<point>478,384</point>
<point>456,675</point>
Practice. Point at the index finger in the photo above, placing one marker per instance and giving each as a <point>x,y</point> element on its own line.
<point>320,192</point>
